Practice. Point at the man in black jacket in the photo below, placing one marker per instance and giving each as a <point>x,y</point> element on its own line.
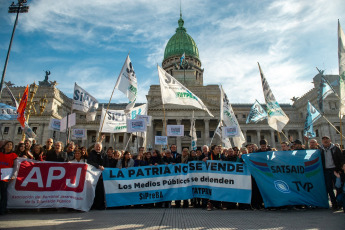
<point>96,159</point>
<point>332,158</point>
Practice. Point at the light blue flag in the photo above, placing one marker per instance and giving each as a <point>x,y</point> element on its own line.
<point>324,90</point>
<point>257,113</point>
<point>312,116</point>
<point>289,177</point>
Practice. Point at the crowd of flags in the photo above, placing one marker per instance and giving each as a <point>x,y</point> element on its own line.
<point>173,92</point>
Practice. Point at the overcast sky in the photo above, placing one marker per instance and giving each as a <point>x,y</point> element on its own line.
<point>87,41</point>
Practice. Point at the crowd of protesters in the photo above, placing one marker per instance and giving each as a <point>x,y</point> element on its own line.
<point>333,160</point>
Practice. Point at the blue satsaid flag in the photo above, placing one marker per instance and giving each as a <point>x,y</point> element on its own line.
<point>312,116</point>
<point>324,90</point>
<point>256,114</point>
<point>289,177</point>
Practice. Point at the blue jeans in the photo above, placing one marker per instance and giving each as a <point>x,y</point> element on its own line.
<point>330,181</point>
<point>341,200</point>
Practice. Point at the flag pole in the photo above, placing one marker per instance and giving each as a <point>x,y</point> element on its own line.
<point>99,133</point>
<point>165,123</point>
<point>280,139</point>
<point>128,141</point>
<point>333,126</point>
<point>341,134</point>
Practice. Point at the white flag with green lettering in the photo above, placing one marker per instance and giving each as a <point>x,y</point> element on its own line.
<point>173,92</point>
<point>127,83</point>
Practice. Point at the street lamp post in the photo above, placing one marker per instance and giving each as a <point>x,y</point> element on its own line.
<point>20,7</point>
<point>30,107</point>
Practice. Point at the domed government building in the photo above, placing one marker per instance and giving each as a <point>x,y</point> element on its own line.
<point>190,74</point>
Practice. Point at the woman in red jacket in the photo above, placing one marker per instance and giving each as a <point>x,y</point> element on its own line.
<point>7,157</point>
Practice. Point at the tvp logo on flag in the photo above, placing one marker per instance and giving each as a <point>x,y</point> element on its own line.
<point>289,177</point>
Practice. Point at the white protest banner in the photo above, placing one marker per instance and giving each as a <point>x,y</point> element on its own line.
<point>136,125</point>
<point>71,120</point>
<point>79,134</point>
<point>54,124</point>
<point>115,121</point>
<point>175,130</point>
<point>161,140</point>
<point>139,110</point>
<point>63,124</point>
<point>6,173</point>
<point>230,131</point>
<point>82,100</point>
<point>147,118</point>
<point>41,184</point>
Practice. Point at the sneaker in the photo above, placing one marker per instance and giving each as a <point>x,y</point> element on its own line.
<point>209,206</point>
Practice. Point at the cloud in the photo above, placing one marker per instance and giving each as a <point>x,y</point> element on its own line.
<point>87,41</point>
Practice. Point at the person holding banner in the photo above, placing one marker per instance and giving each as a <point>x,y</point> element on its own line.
<point>184,158</point>
<point>340,184</point>
<point>78,157</point>
<point>110,161</point>
<point>38,153</point>
<point>214,155</point>
<point>57,154</point>
<point>20,151</point>
<point>126,161</point>
<point>49,146</point>
<point>96,159</point>
<point>332,159</point>
<point>7,157</point>
<point>156,158</point>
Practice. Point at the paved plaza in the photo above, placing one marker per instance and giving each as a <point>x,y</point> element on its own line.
<point>173,219</point>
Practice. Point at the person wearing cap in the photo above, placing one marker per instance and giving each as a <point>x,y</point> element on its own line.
<point>332,158</point>
<point>298,145</point>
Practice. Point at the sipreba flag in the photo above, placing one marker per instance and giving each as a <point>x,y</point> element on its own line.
<point>22,106</point>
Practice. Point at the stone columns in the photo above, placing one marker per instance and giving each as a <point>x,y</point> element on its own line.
<point>207,131</point>
<point>150,135</point>
<point>125,139</point>
<point>245,135</point>
<point>178,139</point>
<point>111,140</point>
<point>300,136</point>
<point>258,136</point>
<point>273,143</point>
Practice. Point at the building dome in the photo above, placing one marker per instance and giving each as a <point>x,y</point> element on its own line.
<point>180,43</point>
